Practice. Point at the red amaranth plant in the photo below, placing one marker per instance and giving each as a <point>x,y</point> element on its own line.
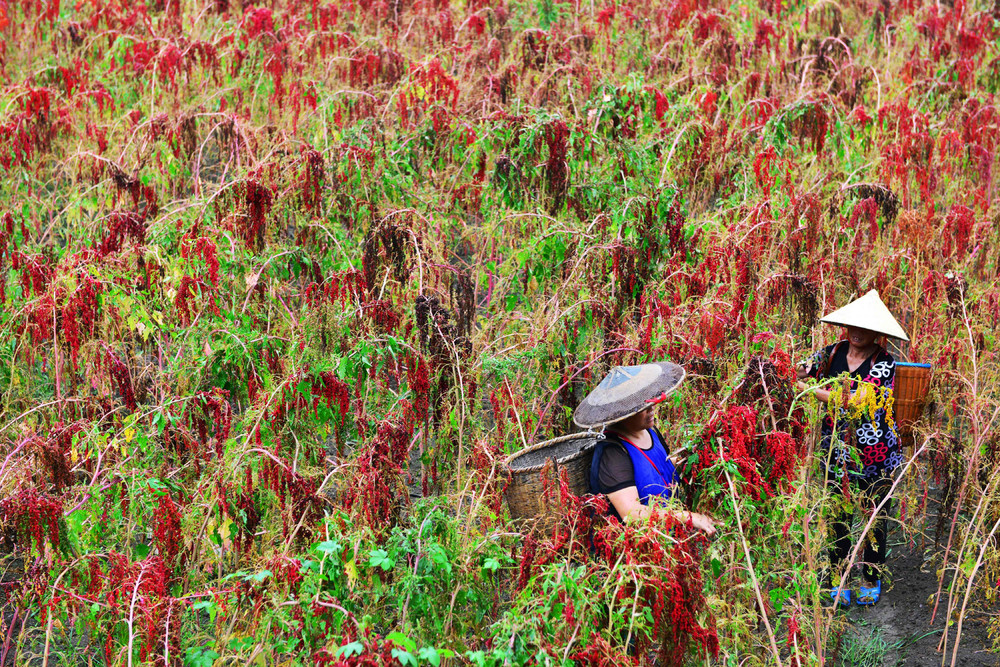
<point>34,516</point>
<point>556,170</point>
<point>120,376</point>
<point>246,509</point>
<point>54,453</point>
<point>139,590</point>
<point>339,288</point>
<point>312,178</point>
<point>600,653</point>
<point>485,463</point>
<point>377,652</point>
<point>375,488</point>
<point>662,576</point>
<point>383,315</point>
<point>167,537</point>
<point>296,494</point>
<point>335,392</point>
<point>958,231</point>
<point>253,201</point>
<point>122,225</point>
<point>394,240</point>
<point>730,435</point>
<point>418,378</point>
<point>673,593</point>
<point>36,272</point>
<point>79,315</point>
<point>216,406</point>
<point>205,248</point>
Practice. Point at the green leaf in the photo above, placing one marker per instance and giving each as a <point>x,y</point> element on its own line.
<point>329,547</point>
<point>347,650</point>
<point>402,640</point>
<point>199,656</point>
<point>258,577</point>
<point>303,389</point>
<point>492,564</point>
<point>778,597</point>
<point>430,654</point>
<point>404,657</point>
<point>157,487</point>
<point>381,558</point>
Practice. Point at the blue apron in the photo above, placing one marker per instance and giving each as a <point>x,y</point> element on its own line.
<point>653,470</point>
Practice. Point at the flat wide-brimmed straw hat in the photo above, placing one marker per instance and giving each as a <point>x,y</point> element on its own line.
<point>867,312</point>
<point>627,390</point>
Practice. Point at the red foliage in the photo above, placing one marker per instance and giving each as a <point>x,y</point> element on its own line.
<point>246,507</point>
<point>253,200</point>
<point>167,537</point>
<point>958,230</point>
<point>216,406</point>
<point>312,178</point>
<point>206,249</point>
<point>377,653</point>
<point>296,493</point>
<point>600,653</point>
<point>418,374</point>
<point>140,589</point>
<point>79,315</point>
<point>120,376</point>
<point>34,516</point>
<point>730,434</point>
<point>343,287</point>
<point>674,594</point>
<point>438,88</point>
<point>864,215</point>
<point>54,453</point>
<point>335,391</point>
<point>36,273</point>
<point>375,488</point>
<point>122,225</point>
<point>383,315</point>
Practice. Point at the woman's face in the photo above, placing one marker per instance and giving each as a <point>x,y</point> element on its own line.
<point>637,422</point>
<point>861,338</point>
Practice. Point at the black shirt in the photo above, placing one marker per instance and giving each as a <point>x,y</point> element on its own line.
<point>870,427</point>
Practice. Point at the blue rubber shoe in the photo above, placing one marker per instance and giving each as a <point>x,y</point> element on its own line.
<point>868,596</point>
<point>843,598</point>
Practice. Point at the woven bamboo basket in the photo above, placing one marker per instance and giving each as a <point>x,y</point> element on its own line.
<point>910,394</point>
<point>532,468</point>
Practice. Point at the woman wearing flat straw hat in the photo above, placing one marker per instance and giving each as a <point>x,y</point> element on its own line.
<point>631,463</point>
<point>860,445</point>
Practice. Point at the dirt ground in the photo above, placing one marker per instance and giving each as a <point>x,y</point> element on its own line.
<point>898,630</point>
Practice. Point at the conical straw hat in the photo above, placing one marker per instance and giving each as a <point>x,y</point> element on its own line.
<point>867,312</point>
<point>627,390</point>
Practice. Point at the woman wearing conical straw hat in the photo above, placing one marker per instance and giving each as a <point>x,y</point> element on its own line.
<point>631,463</point>
<point>860,445</point>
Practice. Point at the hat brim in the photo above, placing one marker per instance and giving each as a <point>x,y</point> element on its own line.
<point>867,312</point>
<point>898,334</point>
<point>600,409</point>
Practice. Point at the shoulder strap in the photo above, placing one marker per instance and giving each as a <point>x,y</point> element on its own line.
<point>646,456</point>
<point>663,441</point>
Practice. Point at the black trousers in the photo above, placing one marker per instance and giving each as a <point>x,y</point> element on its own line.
<point>866,495</point>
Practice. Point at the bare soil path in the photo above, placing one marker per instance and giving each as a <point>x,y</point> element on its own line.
<point>898,630</point>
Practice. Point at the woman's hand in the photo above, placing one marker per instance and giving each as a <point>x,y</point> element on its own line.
<point>821,394</point>
<point>702,522</point>
<point>627,502</point>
